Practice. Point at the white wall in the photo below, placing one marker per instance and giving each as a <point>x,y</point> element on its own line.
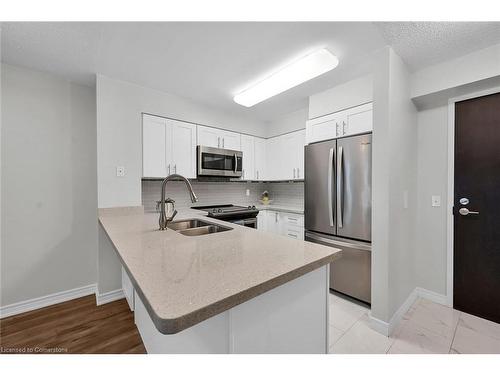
<point>432,180</point>
<point>287,123</point>
<point>394,173</point>
<point>476,66</point>
<point>347,95</point>
<point>49,194</point>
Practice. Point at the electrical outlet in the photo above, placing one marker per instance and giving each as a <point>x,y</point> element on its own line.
<point>247,192</point>
<point>436,201</point>
<point>120,171</point>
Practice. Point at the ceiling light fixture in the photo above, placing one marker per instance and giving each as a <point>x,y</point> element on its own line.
<point>293,74</point>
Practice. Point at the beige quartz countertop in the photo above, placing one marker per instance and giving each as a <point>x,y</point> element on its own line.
<point>184,280</point>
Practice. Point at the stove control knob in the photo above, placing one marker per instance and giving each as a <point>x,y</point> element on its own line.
<point>253,207</point>
<point>219,210</point>
<point>214,210</point>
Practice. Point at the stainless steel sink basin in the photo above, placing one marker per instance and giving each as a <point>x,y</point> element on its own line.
<point>204,230</point>
<point>196,227</point>
<point>187,224</point>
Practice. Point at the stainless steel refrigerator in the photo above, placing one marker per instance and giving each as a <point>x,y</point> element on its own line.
<point>338,208</point>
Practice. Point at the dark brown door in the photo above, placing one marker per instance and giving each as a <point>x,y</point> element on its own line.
<point>476,272</point>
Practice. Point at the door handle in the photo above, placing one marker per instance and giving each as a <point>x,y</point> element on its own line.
<point>330,187</point>
<point>340,184</point>
<point>465,211</point>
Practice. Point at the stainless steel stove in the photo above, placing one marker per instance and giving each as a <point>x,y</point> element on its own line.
<point>241,215</point>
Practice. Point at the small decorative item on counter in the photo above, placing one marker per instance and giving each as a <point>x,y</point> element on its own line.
<point>264,197</point>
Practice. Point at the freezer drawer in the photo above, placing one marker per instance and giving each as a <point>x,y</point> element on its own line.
<point>351,274</point>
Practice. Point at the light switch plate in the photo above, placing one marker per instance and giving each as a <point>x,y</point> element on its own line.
<point>120,171</point>
<point>436,201</point>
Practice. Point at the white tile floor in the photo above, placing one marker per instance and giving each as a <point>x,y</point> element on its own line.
<point>427,327</point>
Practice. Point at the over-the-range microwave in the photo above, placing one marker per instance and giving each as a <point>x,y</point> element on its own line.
<point>220,162</point>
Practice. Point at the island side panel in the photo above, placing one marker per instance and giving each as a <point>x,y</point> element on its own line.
<point>292,318</point>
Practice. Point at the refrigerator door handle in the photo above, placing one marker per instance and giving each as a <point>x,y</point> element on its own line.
<point>340,186</point>
<point>328,241</point>
<point>330,187</point>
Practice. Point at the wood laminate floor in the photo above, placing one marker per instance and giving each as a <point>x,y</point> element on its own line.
<point>77,326</point>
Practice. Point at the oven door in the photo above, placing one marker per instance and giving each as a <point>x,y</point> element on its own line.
<point>219,162</point>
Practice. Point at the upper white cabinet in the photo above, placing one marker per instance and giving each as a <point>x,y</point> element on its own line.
<point>183,145</point>
<point>359,119</point>
<point>260,160</point>
<point>154,146</point>
<point>351,121</point>
<point>285,156</point>
<point>218,138</point>
<point>248,150</point>
<point>168,146</point>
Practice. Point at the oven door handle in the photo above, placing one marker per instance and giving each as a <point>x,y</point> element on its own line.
<point>235,163</point>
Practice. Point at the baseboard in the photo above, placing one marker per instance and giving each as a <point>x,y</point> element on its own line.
<point>432,296</point>
<point>51,299</point>
<point>387,328</point>
<point>379,325</point>
<point>108,297</point>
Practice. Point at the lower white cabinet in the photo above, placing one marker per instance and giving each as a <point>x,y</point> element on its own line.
<point>284,223</point>
<point>128,290</point>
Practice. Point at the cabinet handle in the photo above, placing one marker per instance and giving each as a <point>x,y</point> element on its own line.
<point>298,173</point>
<point>337,133</point>
<point>218,142</point>
<point>276,217</point>
<point>168,169</point>
<point>175,168</point>
<point>222,142</point>
<point>293,172</point>
<point>257,174</point>
<point>343,127</point>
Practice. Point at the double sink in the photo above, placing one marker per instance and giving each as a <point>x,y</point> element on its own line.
<point>196,227</point>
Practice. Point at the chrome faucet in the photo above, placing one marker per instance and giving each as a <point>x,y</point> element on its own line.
<point>164,220</point>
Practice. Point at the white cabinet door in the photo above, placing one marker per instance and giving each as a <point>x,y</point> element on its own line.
<point>273,223</point>
<point>260,159</point>
<point>273,171</point>
<point>298,147</point>
<point>323,128</point>
<point>262,221</point>
<point>210,137</point>
<point>248,149</point>
<point>359,120</point>
<point>231,140</point>
<point>154,163</point>
<point>183,148</point>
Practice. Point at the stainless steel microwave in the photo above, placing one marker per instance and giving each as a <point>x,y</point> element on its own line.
<point>213,161</point>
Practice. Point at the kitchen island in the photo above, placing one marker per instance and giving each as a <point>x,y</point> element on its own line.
<point>237,291</point>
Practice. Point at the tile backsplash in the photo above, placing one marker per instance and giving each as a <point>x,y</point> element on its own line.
<point>209,193</point>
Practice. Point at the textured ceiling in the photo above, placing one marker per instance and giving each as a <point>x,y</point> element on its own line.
<point>211,62</point>
<point>421,44</point>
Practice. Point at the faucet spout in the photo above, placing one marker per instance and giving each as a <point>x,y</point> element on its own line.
<point>164,220</point>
